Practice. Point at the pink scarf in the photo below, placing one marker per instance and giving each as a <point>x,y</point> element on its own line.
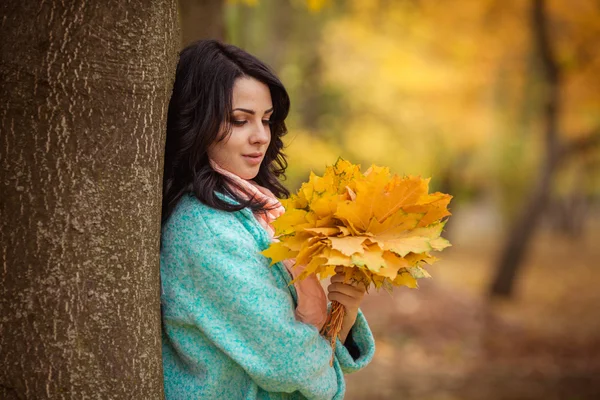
<point>312,302</point>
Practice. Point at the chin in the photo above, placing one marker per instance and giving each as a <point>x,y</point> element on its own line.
<point>249,174</point>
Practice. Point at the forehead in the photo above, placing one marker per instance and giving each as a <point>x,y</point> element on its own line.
<point>250,93</point>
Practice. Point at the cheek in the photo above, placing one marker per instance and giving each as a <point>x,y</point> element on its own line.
<point>217,152</point>
<point>223,151</point>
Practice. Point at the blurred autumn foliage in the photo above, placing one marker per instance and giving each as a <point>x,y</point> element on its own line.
<point>497,101</point>
<point>427,87</point>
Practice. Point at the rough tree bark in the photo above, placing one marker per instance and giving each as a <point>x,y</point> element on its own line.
<point>84,90</point>
<point>201,19</point>
<point>520,235</point>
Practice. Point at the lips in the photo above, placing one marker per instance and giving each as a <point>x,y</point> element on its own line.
<point>254,155</point>
<point>254,158</point>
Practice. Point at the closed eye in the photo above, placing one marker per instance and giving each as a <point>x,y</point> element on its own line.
<point>239,122</point>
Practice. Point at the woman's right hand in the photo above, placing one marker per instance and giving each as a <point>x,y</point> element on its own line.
<point>350,295</point>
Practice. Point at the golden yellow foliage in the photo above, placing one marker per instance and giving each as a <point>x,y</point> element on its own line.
<point>414,73</point>
<point>251,3</point>
<point>312,5</point>
<point>316,5</point>
<point>380,227</point>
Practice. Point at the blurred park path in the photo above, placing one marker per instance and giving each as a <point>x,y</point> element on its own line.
<point>447,341</point>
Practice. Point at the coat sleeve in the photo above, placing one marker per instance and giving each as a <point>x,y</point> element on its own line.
<point>359,348</point>
<point>217,283</point>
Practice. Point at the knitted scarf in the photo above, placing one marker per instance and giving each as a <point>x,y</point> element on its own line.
<point>312,301</point>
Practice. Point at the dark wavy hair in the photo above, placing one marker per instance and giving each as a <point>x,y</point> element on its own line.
<point>200,103</point>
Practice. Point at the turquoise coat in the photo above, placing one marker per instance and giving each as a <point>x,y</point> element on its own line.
<point>229,330</point>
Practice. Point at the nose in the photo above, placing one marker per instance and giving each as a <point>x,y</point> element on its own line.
<point>261,134</point>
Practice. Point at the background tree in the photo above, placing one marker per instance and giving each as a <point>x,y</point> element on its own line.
<point>556,152</point>
<point>84,90</point>
<point>201,19</point>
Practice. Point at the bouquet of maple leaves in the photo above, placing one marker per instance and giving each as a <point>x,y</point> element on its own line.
<point>380,227</point>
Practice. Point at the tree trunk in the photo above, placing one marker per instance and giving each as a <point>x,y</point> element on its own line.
<point>84,90</point>
<point>201,19</point>
<point>511,258</point>
<point>513,254</point>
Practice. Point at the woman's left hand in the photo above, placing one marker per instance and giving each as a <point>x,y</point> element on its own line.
<point>350,295</point>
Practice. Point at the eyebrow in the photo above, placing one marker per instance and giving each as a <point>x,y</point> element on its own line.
<point>252,112</point>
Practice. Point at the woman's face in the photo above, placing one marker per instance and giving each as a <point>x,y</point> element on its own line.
<point>243,150</point>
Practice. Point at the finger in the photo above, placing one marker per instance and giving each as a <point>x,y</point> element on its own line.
<point>340,278</point>
<point>346,289</point>
<point>347,301</point>
<point>339,269</point>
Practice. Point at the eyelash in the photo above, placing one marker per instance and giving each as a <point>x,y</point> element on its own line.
<point>242,123</point>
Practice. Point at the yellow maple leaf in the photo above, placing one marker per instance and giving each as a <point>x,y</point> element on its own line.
<point>317,187</point>
<point>326,270</point>
<point>326,231</point>
<point>355,215</point>
<point>298,241</point>
<point>294,202</point>
<point>344,231</point>
<point>308,252</point>
<point>344,174</point>
<point>434,207</point>
<point>404,278</point>
<point>288,222</point>
<point>371,258</point>
<point>311,268</point>
<point>278,252</point>
<point>368,191</point>
<point>418,272</point>
<point>379,281</point>
<point>325,204</point>
<point>417,258</point>
<point>401,192</point>
<point>380,228</point>
<point>336,257</point>
<point>396,224</point>
<point>393,265</point>
<point>418,240</point>
<point>439,244</point>
<point>374,181</point>
<point>348,245</point>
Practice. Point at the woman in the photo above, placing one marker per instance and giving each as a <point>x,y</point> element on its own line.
<point>232,326</point>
